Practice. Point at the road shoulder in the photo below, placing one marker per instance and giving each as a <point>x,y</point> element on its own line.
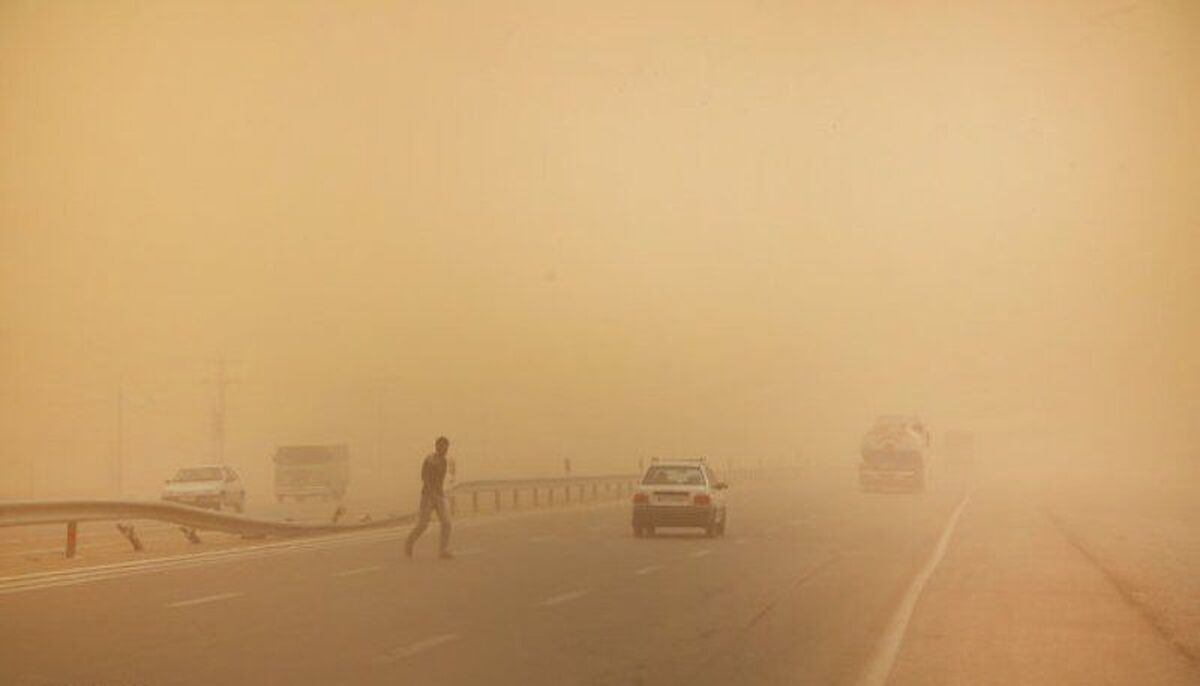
<point>1015,603</point>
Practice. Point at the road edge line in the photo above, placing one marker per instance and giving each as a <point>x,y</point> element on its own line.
<point>879,668</point>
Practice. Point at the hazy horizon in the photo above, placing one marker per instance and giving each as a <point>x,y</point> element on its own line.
<point>601,233</point>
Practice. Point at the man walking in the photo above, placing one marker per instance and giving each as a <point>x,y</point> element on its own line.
<point>433,499</point>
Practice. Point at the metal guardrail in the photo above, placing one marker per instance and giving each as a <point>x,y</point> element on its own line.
<point>190,519</point>
<point>573,489</point>
<point>538,493</point>
<point>549,491</point>
<point>32,512</point>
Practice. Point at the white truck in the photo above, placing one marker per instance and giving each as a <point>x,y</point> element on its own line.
<point>312,471</point>
<point>894,455</point>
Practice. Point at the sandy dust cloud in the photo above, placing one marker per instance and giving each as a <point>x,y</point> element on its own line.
<point>600,232</point>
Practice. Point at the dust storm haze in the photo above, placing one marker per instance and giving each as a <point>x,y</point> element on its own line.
<point>599,232</point>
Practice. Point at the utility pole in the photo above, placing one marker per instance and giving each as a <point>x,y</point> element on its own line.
<point>118,475</point>
<point>218,425</point>
<point>379,390</point>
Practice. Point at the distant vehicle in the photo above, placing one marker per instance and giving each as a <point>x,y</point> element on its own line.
<point>311,471</point>
<point>894,455</point>
<point>211,486</point>
<point>679,493</point>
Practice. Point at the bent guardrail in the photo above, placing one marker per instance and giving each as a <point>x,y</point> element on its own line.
<point>72,512</point>
<point>506,494</point>
<point>31,512</point>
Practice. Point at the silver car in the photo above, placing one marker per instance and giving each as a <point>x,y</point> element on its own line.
<point>679,493</point>
<point>208,486</point>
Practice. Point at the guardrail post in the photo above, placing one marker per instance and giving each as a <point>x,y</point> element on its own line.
<point>549,495</point>
<point>567,492</point>
<point>128,532</point>
<point>475,502</point>
<point>497,500</point>
<point>72,537</point>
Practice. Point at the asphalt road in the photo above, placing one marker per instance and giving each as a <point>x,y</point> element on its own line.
<point>806,588</point>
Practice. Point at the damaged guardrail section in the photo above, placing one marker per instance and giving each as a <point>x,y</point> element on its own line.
<point>191,520</point>
<point>72,512</point>
<point>474,496</point>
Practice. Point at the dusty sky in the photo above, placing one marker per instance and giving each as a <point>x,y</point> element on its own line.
<point>595,230</point>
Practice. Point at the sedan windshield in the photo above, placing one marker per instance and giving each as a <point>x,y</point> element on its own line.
<point>199,474</point>
<point>674,476</point>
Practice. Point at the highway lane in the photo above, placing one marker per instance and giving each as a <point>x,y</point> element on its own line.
<point>797,593</point>
<point>810,578</point>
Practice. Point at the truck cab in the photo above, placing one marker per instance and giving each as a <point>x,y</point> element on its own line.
<point>311,471</point>
<point>894,455</point>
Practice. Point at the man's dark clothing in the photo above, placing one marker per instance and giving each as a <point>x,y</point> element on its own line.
<point>433,474</point>
<point>433,501</point>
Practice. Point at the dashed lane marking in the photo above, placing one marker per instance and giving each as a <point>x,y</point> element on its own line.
<point>417,648</point>
<point>563,598</point>
<point>359,570</point>
<point>203,600</point>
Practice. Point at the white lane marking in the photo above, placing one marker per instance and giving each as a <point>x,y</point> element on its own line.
<point>89,531</point>
<point>205,599</point>
<point>359,570</point>
<point>701,553</point>
<point>70,577</point>
<point>42,551</point>
<point>648,570</point>
<point>62,548</point>
<point>880,666</point>
<point>35,581</point>
<point>563,598</point>
<point>418,647</point>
